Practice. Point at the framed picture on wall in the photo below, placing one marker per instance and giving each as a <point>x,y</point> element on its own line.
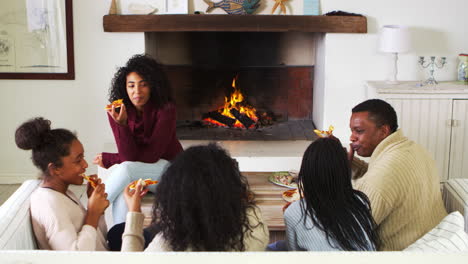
<point>153,7</point>
<point>143,7</point>
<point>177,7</point>
<point>36,40</point>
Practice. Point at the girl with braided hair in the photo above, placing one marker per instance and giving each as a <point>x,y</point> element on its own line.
<point>331,215</point>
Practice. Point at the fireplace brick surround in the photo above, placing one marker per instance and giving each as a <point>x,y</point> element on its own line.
<point>273,70</point>
<point>288,90</point>
<point>285,92</point>
<point>256,155</point>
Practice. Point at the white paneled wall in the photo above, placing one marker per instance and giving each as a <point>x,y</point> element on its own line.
<point>425,121</point>
<point>435,116</point>
<point>459,150</point>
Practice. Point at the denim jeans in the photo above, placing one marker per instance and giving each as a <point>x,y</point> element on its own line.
<point>125,173</point>
<point>277,246</point>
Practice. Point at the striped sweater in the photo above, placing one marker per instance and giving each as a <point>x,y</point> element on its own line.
<point>305,236</point>
<point>402,183</point>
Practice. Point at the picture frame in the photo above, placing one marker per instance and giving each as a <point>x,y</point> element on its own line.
<point>36,40</point>
<point>153,7</point>
<point>143,7</point>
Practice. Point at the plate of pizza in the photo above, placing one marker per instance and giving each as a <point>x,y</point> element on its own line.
<point>284,178</point>
<point>291,195</point>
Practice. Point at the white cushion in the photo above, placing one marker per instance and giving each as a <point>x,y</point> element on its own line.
<point>15,219</point>
<point>455,196</point>
<point>447,236</point>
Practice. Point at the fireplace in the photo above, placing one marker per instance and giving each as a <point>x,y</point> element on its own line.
<point>273,71</point>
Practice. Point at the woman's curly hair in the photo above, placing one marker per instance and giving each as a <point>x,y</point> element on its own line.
<point>148,69</point>
<point>202,200</point>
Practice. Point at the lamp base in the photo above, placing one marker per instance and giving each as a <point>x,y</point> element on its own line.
<point>392,82</point>
<point>392,78</point>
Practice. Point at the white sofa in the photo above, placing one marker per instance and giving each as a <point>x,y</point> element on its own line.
<point>16,232</point>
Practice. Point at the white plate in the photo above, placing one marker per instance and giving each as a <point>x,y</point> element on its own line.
<point>272,179</point>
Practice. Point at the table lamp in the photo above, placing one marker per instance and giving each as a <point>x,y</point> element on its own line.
<point>394,39</point>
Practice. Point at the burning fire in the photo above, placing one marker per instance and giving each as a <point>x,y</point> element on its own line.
<point>236,102</point>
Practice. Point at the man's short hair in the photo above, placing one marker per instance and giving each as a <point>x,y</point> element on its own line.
<point>380,112</point>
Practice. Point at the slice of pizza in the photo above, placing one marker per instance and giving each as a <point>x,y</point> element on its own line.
<point>144,183</point>
<point>117,103</point>
<point>289,193</point>
<point>323,133</point>
<point>91,180</point>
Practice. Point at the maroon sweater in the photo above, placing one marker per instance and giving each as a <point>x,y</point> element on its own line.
<point>146,138</point>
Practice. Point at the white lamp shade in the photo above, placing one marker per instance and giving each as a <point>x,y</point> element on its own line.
<point>394,39</point>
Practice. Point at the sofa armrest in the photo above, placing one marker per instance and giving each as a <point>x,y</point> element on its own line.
<point>15,219</point>
<point>455,195</point>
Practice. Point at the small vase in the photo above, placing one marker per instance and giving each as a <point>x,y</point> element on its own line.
<point>463,68</point>
<point>113,8</point>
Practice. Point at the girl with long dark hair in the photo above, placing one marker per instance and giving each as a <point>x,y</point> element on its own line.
<point>331,215</point>
<point>202,203</point>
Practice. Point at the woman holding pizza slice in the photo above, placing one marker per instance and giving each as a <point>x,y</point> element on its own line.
<point>203,203</point>
<point>59,220</point>
<point>331,216</point>
<point>144,128</point>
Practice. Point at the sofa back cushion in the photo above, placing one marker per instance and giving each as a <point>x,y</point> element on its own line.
<point>455,194</point>
<point>447,236</point>
<point>15,219</point>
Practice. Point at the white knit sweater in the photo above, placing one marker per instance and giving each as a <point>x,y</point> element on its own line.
<point>132,239</point>
<point>58,223</point>
<point>402,183</point>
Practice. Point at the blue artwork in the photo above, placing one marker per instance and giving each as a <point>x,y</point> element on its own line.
<point>311,7</point>
<point>237,7</point>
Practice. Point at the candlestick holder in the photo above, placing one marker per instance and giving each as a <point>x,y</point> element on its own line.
<point>432,66</point>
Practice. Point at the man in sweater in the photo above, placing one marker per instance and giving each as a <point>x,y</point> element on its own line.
<point>401,179</point>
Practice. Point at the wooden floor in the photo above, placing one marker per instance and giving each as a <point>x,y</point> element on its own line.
<point>6,190</point>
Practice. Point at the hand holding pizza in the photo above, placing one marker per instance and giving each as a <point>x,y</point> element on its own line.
<point>93,182</point>
<point>134,195</point>
<point>97,204</point>
<point>119,117</point>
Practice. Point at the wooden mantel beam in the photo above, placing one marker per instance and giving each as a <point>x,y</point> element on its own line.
<point>234,23</point>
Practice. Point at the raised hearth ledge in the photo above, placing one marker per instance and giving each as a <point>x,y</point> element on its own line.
<point>261,155</point>
<point>234,23</point>
<point>255,155</point>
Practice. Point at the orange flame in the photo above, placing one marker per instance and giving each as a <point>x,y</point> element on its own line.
<point>235,101</point>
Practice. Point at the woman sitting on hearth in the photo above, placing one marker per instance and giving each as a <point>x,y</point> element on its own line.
<point>144,129</point>
<point>203,203</point>
<point>331,215</point>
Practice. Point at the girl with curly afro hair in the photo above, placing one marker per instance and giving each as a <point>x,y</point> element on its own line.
<point>203,203</point>
<point>144,128</point>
